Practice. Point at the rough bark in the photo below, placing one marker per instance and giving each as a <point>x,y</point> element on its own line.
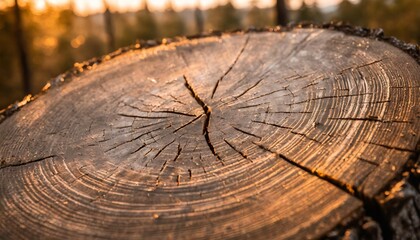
<point>277,135</point>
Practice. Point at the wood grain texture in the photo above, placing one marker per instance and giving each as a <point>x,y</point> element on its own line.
<point>246,135</point>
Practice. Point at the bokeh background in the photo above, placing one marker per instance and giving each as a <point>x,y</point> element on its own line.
<point>39,39</point>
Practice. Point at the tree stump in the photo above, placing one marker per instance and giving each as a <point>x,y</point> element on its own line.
<point>297,133</point>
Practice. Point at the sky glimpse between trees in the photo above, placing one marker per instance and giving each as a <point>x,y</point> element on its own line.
<point>56,34</point>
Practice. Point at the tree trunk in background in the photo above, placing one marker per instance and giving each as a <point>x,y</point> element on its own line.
<point>297,134</point>
<point>21,47</point>
<point>199,21</point>
<point>282,13</point>
<point>109,28</point>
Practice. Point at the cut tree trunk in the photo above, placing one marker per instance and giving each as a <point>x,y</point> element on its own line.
<point>304,133</point>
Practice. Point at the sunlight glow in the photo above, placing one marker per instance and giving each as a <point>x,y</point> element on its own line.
<point>84,7</point>
<point>78,41</point>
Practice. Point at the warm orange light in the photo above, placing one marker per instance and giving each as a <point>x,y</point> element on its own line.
<point>50,42</point>
<point>77,41</point>
<point>85,7</point>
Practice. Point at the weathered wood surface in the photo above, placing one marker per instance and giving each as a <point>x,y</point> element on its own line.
<point>245,135</point>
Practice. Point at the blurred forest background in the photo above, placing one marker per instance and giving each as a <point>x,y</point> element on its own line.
<point>52,38</point>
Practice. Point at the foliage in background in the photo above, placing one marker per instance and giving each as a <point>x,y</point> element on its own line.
<point>224,17</point>
<point>57,38</point>
<point>308,13</point>
<point>399,18</point>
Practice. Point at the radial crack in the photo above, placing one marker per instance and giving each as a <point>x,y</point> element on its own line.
<point>237,150</point>
<point>230,68</point>
<point>272,124</point>
<point>26,163</point>
<point>148,125</point>
<point>290,112</point>
<point>368,161</point>
<point>367,119</point>
<point>138,149</point>
<point>162,149</point>
<point>246,133</point>
<point>265,94</point>
<point>188,123</point>
<point>137,116</point>
<point>305,136</point>
<point>176,112</point>
<point>252,106</point>
<point>298,47</point>
<point>207,111</point>
<point>162,169</point>
<point>178,153</point>
<point>391,147</point>
<point>335,182</point>
<point>132,140</point>
<point>249,89</point>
